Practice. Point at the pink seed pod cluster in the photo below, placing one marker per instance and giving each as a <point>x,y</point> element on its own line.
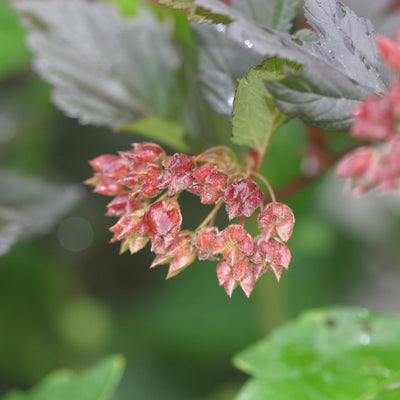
<point>390,50</point>
<point>377,120</point>
<point>146,184</point>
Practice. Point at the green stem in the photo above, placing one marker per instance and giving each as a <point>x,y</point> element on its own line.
<point>266,183</point>
<point>211,217</point>
<point>264,147</point>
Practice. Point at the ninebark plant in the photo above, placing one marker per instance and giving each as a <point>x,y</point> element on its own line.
<point>255,68</point>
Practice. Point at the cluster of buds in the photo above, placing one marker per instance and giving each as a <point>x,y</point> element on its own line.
<point>377,119</point>
<point>146,184</point>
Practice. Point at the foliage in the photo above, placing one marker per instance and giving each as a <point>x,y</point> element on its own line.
<point>340,353</point>
<point>222,90</point>
<point>30,206</point>
<point>95,383</point>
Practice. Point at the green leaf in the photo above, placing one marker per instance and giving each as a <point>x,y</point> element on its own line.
<point>255,113</point>
<point>106,70</point>
<point>345,52</point>
<point>338,353</point>
<point>195,13</point>
<point>126,7</point>
<point>15,395</point>
<point>306,95</point>
<point>276,14</point>
<point>161,130</point>
<point>221,64</point>
<point>30,206</point>
<point>95,383</point>
<point>14,55</point>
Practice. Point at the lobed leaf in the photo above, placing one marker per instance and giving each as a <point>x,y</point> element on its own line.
<point>106,70</point>
<point>345,51</point>
<point>221,64</point>
<point>338,353</point>
<point>319,98</point>
<point>194,12</point>
<point>276,14</point>
<point>255,113</point>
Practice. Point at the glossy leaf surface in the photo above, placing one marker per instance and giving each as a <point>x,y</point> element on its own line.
<point>338,353</point>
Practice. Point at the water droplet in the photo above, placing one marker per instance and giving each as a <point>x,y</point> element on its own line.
<point>230,100</point>
<point>364,339</point>
<point>248,43</point>
<point>221,27</point>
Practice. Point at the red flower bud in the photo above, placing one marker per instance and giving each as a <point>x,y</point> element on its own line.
<point>128,225</point>
<point>162,222</point>
<point>239,273</point>
<point>178,173</point>
<point>275,253</point>
<point>374,119</point>
<point>203,240</point>
<point>134,243</point>
<point>180,254</point>
<point>144,153</point>
<point>225,277</point>
<point>390,50</point>
<point>276,219</point>
<point>234,243</point>
<point>242,197</point>
<point>110,169</point>
<point>143,180</point>
<point>209,185</point>
<point>105,186</point>
<point>122,204</point>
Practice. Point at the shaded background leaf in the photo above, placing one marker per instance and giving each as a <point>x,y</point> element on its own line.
<point>106,70</point>
<point>12,225</point>
<point>95,383</point>
<point>14,56</point>
<point>30,206</point>
<point>161,130</point>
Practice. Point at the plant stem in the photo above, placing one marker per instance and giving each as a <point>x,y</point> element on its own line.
<point>266,183</point>
<point>211,217</point>
<point>221,147</point>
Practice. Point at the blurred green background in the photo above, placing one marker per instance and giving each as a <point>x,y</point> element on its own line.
<point>68,298</point>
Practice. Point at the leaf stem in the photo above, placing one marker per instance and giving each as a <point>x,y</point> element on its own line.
<point>264,147</point>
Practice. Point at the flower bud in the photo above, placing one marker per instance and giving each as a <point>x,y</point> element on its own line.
<point>242,197</point>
